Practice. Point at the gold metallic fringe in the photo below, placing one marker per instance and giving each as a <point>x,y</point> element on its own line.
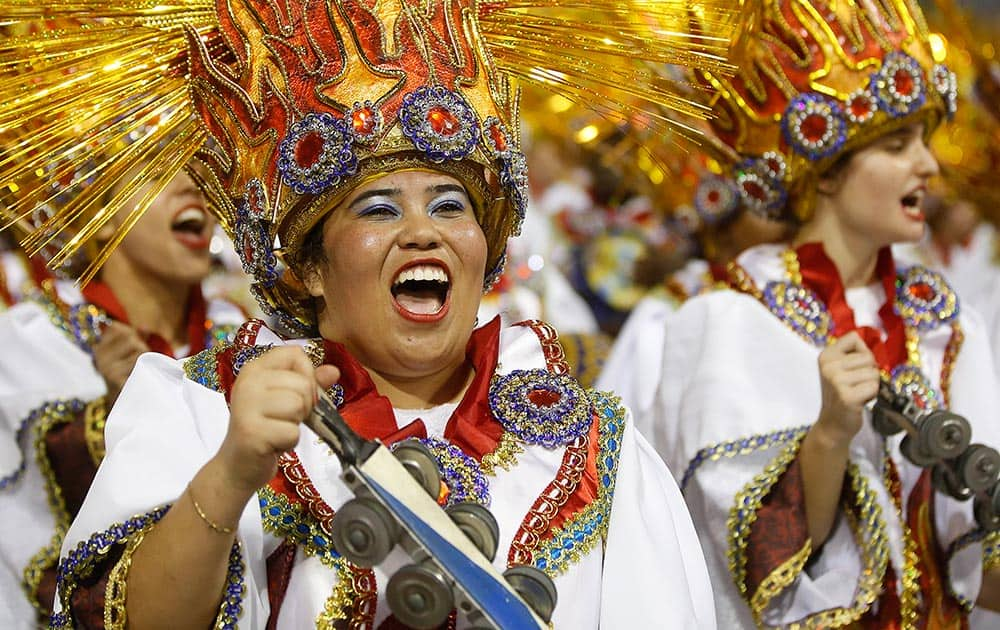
<point>611,54</point>
<point>92,89</point>
<point>95,109</point>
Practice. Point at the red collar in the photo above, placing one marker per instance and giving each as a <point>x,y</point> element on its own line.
<point>101,296</point>
<point>471,427</point>
<point>821,275</point>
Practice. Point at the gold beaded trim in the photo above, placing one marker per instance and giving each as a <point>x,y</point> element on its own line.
<point>95,415</point>
<point>778,580</point>
<point>991,551</point>
<point>740,280</point>
<point>115,617</point>
<point>52,415</point>
<point>869,532</point>
<point>743,514</point>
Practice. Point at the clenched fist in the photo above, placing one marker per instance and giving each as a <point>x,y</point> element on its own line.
<point>849,378</point>
<point>272,395</point>
<point>115,355</point>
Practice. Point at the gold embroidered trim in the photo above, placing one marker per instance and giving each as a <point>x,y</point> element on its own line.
<point>909,599</point>
<point>778,580</point>
<point>948,363</point>
<point>115,617</point>
<point>865,521</point>
<point>869,533</point>
<point>743,514</point>
<point>991,551</point>
<point>50,416</point>
<point>95,415</point>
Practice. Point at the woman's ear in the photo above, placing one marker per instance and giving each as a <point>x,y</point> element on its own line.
<point>312,280</point>
<point>828,183</point>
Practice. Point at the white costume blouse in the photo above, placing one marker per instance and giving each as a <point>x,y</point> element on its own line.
<point>632,369</point>
<point>50,390</point>
<point>741,388</point>
<point>577,493</point>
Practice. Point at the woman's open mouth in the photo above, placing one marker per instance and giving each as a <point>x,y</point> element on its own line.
<point>912,205</point>
<point>190,228</point>
<point>421,291</point>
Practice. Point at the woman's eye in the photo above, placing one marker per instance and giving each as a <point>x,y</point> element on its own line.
<point>380,210</point>
<point>449,207</point>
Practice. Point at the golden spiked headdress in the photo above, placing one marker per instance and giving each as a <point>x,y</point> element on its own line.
<point>292,103</point>
<point>816,79</point>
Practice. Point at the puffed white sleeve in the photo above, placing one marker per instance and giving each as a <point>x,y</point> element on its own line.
<point>654,570</point>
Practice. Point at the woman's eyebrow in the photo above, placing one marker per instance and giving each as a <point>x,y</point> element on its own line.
<point>443,188</point>
<point>376,192</point>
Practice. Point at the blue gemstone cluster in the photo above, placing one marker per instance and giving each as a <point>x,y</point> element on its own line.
<point>460,472</point>
<point>540,407</point>
<point>439,122</point>
<point>317,153</point>
<point>799,308</point>
<point>924,298</point>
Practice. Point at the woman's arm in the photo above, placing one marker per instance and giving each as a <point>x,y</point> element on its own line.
<point>849,378</point>
<point>178,573</point>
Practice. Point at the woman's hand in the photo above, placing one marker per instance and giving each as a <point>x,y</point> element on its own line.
<point>849,378</point>
<point>115,354</point>
<point>272,395</point>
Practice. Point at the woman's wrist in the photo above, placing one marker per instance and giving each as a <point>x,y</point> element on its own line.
<point>830,436</point>
<point>217,498</point>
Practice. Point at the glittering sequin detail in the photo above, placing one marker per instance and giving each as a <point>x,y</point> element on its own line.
<point>539,407</point>
<point>202,368</point>
<point>924,299</point>
<point>245,355</point>
<point>911,381</point>
<point>742,446</point>
<point>800,309</point>
<point>354,594</point>
<point>460,472</point>
<point>46,418</point>
<point>582,532</point>
<point>232,599</point>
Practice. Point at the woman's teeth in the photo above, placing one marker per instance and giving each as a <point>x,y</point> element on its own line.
<point>431,273</point>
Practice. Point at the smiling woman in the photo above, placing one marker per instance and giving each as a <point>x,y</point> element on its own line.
<point>372,214</point>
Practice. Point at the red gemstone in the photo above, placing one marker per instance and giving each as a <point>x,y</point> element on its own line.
<point>921,291</point>
<point>363,121</point>
<point>904,82</point>
<point>861,106</point>
<point>498,137</point>
<point>543,397</point>
<point>774,166</point>
<point>713,196</point>
<point>813,127</point>
<point>755,190</point>
<point>308,149</point>
<point>442,121</point>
